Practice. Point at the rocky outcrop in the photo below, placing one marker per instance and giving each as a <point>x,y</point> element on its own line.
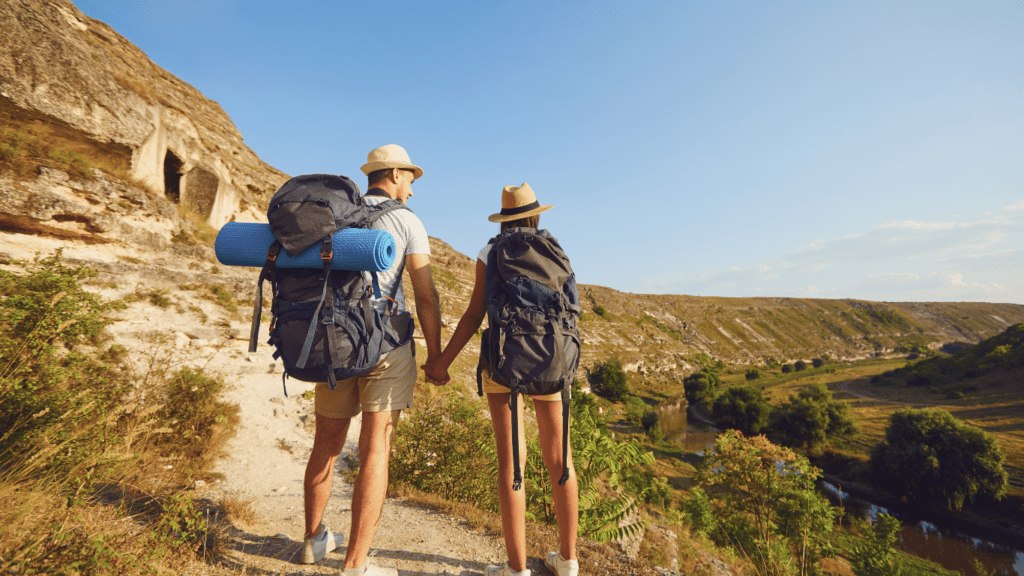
<point>97,210</point>
<point>56,60</point>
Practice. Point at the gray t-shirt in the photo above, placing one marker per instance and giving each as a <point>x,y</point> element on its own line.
<point>410,238</point>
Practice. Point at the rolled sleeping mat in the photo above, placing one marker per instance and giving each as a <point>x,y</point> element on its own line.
<point>246,244</point>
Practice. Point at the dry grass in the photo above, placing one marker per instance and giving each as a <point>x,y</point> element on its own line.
<point>31,139</point>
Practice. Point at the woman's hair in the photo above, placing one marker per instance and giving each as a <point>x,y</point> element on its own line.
<point>528,222</point>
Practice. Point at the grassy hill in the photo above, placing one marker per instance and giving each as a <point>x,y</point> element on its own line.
<point>664,336</point>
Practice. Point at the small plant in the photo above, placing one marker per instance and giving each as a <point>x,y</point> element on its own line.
<point>600,311</point>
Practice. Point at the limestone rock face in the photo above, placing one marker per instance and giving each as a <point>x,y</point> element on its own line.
<point>96,210</point>
<point>56,60</point>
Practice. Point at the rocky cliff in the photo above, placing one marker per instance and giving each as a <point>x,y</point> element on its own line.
<point>59,66</point>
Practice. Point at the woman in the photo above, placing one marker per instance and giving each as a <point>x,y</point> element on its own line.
<point>519,209</point>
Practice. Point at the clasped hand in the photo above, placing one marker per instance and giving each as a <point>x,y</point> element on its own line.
<point>433,376</point>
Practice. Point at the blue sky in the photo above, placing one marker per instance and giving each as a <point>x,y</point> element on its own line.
<point>869,150</point>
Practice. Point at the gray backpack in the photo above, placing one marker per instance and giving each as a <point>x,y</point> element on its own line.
<point>532,342</point>
<point>324,326</point>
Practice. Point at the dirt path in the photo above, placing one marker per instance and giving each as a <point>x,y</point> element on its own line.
<point>265,465</point>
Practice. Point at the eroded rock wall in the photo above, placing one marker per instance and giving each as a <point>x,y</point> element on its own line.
<point>56,60</point>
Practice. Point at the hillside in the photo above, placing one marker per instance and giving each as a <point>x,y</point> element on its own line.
<point>662,335</point>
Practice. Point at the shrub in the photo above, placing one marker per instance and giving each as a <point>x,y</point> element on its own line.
<point>600,311</point>
<point>787,368</point>
<point>649,420</point>
<point>799,365</point>
<point>817,362</point>
<point>447,448</point>
<point>200,420</point>
<point>753,374</point>
<point>610,380</point>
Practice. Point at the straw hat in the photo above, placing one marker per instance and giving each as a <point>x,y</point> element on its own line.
<point>389,156</point>
<point>518,202</point>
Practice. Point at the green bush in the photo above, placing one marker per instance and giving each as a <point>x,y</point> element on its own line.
<point>610,380</point>
<point>799,365</point>
<point>200,420</point>
<point>701,386</point>
<point>51,393</point>
<point>447,448</point>
<point>753,374</point>
<point>787,368</point>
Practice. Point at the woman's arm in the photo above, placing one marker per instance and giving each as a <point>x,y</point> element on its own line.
<point>468,325</point>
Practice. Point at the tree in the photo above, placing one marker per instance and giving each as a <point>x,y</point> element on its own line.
<point>810,418</point>
<point>753,374</point>
<point>742,408</point>
<point>818,362</point>
<point>767,507</point>
<point>610,380</point>
<point>800,365</point>
<point>928,454</point>
<point>787,368</point>
<point>700,386</point>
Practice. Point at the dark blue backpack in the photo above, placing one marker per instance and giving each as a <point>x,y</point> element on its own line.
<point>324,326</point>
<point>532,342</point>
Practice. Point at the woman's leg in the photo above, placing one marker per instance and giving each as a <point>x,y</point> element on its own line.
<point>567,501</point>
<point>513,502</point>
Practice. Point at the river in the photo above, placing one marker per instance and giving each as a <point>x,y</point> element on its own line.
<point>951,547</point>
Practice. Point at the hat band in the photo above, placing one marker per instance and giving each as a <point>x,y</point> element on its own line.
<point>520,210</point>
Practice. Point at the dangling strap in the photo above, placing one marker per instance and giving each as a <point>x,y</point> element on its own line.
<point>517,477</point>
<point>566,396</point>
<point>314,320</point>
<point>326,254</point>
<point>480,378</point>
<point>268,271</point>
<point>284,382</point>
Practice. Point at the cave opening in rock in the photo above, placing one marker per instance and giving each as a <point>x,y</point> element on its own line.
<point>172,176</point>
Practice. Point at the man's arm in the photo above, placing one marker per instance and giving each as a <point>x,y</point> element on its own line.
<point>428,306</point>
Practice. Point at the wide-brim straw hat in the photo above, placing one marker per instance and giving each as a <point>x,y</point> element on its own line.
<point>390,156</point>
<point>518,202</point>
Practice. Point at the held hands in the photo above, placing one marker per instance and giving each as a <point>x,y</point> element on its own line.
<point>435,376</point>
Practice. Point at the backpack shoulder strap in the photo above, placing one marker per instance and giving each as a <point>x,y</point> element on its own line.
<point>378,210</point>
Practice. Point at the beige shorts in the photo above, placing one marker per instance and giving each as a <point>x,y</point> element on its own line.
<point>492,387</point>
<point>385,387</point>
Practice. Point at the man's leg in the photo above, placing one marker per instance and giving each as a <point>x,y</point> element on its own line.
<point>328,441</point>
<point>372,483</point>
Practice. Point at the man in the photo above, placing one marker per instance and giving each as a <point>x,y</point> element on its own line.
<point>382,392</point>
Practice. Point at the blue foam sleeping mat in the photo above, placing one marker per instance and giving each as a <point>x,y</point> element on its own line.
<point>246,244</point>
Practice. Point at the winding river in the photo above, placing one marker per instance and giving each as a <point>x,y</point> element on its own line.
<point>949,546</point>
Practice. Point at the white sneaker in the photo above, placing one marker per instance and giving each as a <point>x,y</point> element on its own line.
<point>369,569</point>
<point>560,566</point>
<point>506,571</point>
<point>314,549</point>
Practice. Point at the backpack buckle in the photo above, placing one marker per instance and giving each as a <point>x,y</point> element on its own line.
<point>272,256</point>
<point>326,254</point>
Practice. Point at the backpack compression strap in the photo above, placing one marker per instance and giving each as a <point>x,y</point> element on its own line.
<point>326,253</point>
<point>517,477</point>
<point>269,271</point>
